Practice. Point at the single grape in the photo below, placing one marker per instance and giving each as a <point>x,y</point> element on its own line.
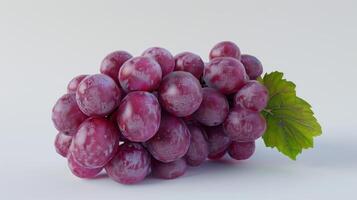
<point>252,66</point>
<point>66,115</point>
<point>81,171</point>
<point>95,143</point>
<point>225,49</point>
<point>139,116</point>
<point>98,95</point>
<point>163,57</point>
<point>172,140</point>
<point>225,74</point>
<point>244,125</point>
<point>198,150</point>
<point>140,73</point>
<point>112,63</point>
<point>62,143</point>
<point>189,62</point>
<point>213,109</point>
<point>253,96</point>
<point>180,93</point>
<point>218,142</point>
<point>73,84</point>
<point>130,165</point>
<point>169,170</point>
<point>241,150</point>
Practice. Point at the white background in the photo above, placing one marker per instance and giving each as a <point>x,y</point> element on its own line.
<point>43,44</point>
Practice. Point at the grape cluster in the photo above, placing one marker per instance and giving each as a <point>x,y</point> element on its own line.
<point>157,113</point>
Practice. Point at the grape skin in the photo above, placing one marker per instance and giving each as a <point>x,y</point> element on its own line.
<point>244,125</point>
<point>241,150</point>
<point>253,96</point>
<point>112,63</point>
<point>81,171</point>
<point>172,140</point>
<point>139,116</point>
<point>163,57</point>
<point>73,84</point>
<point>95,143</point>
<point>225,49</point>
<point>213,109</point>
<point>252,66</point>
<point>130,165</point>
<point>189,62</point>
<point>169,170</point>
<point>62,143</point>
<point>98,95</point>
<point>198,150</point>
<point>180,93</point>
<point>218,142</point>
<point>225,74</point>
<point>66,115</point>
<point>140,74</point>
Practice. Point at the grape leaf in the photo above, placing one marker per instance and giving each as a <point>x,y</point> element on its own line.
<point>291,125</point>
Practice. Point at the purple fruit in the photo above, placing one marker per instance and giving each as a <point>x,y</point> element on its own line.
<point>139,116</point>
<point>189,62</point>
<point>180,93</point>
<point>172,140</point>
<point>169,170</point>
<point>198,150</point>
<point>218,142</point>
<point>66,114</point>
<point>225,74</point>
<point>163,57</point>
<point>225,49</point>
<point>98,95</point>
<point>253,96</point>
<point>112,63</point>
<point>241,150</point>
<point>73,84</point>
<point>80,171</point>
<point>244,125</point>
<point>130,165</point>
<point>62,143</point>
<point>140,74</point>
<point>95,143</point>
<point>252,66</point>
<point>213,109</point>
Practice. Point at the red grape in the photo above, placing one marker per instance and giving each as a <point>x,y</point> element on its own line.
<point>198,150</point>
<point>244,125</point>
<point>98,95</point>
<point>225,49</point>
<point>130,165</point>
<point>189,62</point>
<point>218,142</point>
<point>253,96</point>
<point>213,109</point>
<point>112,63</point>
<point>80,171</point>
<point>252,66</point>
<point>225,74</point>
<point>139,116</point>
<point>163,57</point>
<point>62,143</point>
<point>95,143</point>
<point>140,73</point>
<point>73,84</point>
<point>241,150</point>
<point>172,140</point>
<point>169,170</point>
<point>66,114</point>
<point>180,93</point>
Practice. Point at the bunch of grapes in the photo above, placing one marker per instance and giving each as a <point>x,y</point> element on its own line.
<point>157,113</point>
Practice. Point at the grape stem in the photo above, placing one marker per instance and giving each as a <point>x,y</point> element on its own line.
<point>269,111</point>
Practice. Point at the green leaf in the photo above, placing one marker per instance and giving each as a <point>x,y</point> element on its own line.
<point>291,125</point>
